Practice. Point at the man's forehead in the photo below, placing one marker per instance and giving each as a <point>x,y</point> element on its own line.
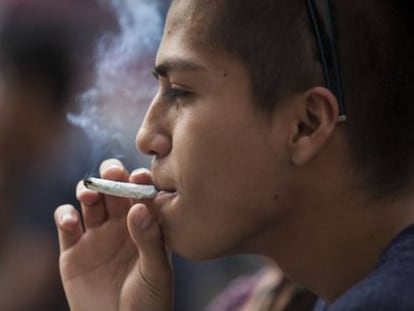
<point>183,27</point>
<point>184,7</point>
<point>191,13</point>
<point>184,40</point>
<point>193,5</point>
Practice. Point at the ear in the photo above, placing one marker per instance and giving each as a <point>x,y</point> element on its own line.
<point>315,123</point>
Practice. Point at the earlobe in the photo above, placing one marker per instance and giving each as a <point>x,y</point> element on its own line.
<point>316,120</point>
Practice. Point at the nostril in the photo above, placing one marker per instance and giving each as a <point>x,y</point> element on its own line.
<point>153,138</point>
<point>143,141</point>
<point>153,143</point>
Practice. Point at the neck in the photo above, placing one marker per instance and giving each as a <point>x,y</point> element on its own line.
<point>339,241</point>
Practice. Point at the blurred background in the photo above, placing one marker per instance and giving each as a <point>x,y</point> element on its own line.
<point>75,81</point>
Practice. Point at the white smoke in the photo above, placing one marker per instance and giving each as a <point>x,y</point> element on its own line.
<point>113,108</point>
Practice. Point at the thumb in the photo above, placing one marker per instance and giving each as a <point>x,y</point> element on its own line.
<point>154,264</point>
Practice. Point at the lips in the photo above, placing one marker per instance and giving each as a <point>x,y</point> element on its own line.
<point>163,193</point>
<point>162,183</point>
<point>165,185</point>
<point>163,188</point>
<point>163,198</point>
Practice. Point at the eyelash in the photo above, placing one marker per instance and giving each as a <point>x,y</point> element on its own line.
<point>174,94</point>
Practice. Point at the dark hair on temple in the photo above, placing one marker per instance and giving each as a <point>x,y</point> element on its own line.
<point>269,38</point>
<point>274,40</point>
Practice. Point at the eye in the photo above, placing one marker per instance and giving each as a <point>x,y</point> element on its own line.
<point>176,93</point>
<point>155,74</point>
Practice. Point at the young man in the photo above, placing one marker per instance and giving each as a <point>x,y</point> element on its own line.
<point>251,155</point>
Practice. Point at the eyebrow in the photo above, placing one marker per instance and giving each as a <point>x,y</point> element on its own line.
<point>177,64</point>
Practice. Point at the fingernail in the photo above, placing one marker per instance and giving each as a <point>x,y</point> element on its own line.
<point>139,171</point>
<point>142,218</point>
<point>80,187</point>
<point>111,163</point>
<point>67,217</point>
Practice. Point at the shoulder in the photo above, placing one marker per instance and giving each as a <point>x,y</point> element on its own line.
<point>390,287</point>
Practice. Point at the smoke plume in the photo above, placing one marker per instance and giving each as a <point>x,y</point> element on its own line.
<point>113,108</point>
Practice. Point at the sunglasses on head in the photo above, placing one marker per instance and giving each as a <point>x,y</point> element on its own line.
<point>320,14</point>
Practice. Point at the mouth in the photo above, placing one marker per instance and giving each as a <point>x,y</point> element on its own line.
<point>164,199</point>
<point>165,193</point>
<point>163,188</point>
<point>166,187</point>
<point>162,191</point>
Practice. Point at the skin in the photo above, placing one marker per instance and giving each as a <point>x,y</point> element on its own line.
<point>233,181</point>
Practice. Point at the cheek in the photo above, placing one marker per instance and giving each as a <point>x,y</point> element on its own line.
<point>228,178</point>
<point>221,164</point>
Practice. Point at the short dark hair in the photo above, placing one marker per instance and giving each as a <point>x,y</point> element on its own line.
<point>274,40</point>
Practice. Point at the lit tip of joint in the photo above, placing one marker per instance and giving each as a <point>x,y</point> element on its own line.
<point>87,182</point>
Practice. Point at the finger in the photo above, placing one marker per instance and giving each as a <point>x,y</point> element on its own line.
<point>141,176</point>
<point>154,265</point>
<point>92,205</point>
<point>69,226</point>
<point>115,206</point>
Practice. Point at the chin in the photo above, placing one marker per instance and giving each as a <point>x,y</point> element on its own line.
<point>196,251</point>
<point>197,256</point>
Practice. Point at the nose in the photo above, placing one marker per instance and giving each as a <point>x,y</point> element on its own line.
<point>154,137</point>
